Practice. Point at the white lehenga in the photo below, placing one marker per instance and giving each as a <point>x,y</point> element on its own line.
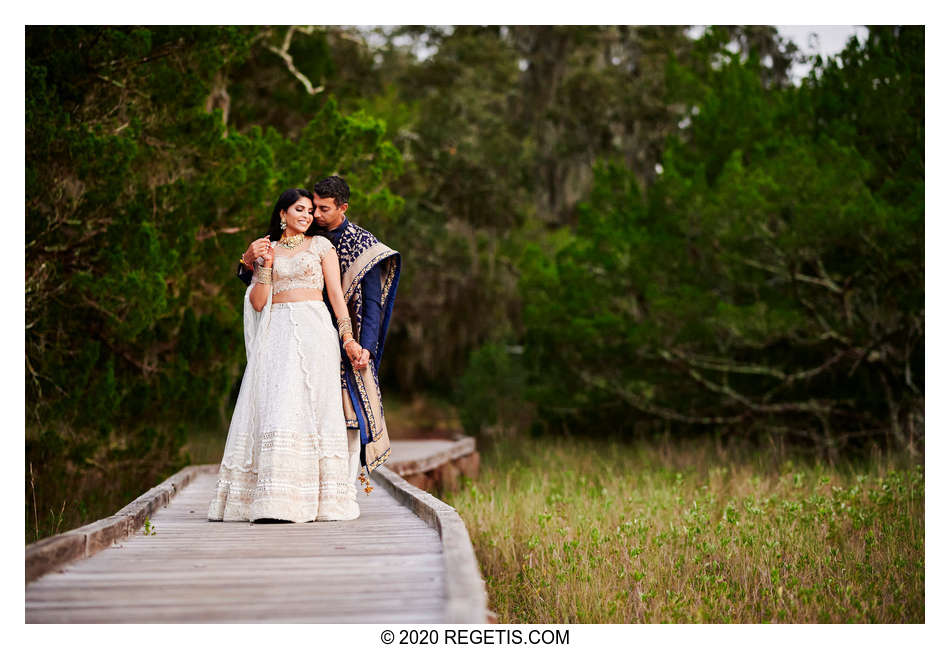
<point>288,455</point>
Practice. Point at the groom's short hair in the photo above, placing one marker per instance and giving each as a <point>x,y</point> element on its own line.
<point>333,187</point>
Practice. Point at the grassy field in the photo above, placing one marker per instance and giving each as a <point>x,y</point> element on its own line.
<point>575,531</point>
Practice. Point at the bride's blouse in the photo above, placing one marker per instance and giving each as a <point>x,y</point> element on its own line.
<point>302,269</point>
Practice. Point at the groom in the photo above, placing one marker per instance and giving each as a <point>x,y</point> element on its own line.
<point>370,273</point>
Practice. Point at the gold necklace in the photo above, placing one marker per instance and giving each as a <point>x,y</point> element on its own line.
<point>291,242</point>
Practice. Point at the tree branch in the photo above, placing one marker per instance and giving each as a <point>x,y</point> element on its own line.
<point>641,404</point>
<point>284,53</point>
<point>825,282</point>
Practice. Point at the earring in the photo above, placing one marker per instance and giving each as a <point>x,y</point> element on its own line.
<point>283,224</point>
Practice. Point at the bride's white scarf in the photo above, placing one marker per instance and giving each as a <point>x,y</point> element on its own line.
<point>245,421</point>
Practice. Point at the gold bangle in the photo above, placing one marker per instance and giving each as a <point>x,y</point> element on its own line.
<point>265,276</point>
<point>345,327</point>
<point>245,264</point>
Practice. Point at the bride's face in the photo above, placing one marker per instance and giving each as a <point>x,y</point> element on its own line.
<point>298,216</point>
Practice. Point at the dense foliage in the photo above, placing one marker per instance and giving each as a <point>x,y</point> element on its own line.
<point>770,280</point>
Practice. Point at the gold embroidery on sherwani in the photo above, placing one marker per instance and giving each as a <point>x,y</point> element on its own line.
<point>359,252</point>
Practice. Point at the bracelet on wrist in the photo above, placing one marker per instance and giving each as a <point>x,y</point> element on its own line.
<point>345,327</point>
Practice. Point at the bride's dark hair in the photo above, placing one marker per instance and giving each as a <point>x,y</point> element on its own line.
<point>287,198</point>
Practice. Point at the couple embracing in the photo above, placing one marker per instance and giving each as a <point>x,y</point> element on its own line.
<point>309,412</point>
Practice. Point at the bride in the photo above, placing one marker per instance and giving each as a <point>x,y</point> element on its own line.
<point>287,455</point>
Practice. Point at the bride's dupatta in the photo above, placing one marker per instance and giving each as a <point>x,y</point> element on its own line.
<point>243,434</point>
<point>255,323</point>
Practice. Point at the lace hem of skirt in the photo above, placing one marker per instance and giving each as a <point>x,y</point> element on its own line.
<point>242,460</point>
<point>248,496</point>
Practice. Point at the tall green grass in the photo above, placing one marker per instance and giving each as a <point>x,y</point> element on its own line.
<point>576,531</point>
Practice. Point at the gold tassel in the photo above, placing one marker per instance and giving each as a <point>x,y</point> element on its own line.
<point>365,481</point>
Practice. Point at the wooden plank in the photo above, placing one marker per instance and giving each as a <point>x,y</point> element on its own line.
<point>382,612</point>
<point>467,599</point>
<point>54,552</point>
<point>49,554</point>
<point>418,456</point>
<point>386,566</point>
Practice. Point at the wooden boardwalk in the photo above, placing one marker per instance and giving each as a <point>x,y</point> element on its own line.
<point>430,463</point>
<point>418,455</point>
<point>388,566</point>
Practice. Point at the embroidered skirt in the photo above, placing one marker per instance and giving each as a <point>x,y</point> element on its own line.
<point>288,454</point>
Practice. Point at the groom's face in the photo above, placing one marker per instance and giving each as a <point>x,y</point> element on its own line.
<point>327,213</point>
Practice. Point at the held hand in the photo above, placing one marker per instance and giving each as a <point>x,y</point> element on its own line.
<point>268,255</point>
<point>354,352</point>
<point>364,358</point>
<point>257,249</point>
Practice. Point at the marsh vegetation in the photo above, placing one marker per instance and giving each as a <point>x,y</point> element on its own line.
<point>578,531</point>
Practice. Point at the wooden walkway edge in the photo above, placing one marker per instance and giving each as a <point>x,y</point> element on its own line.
<point>83,542</point>
<point>467,598</point>
<point>430,463</point>
<point>408,558</point>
